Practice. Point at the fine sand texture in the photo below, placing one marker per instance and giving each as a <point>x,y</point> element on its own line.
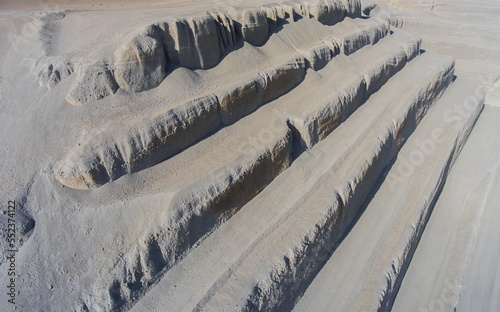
<point>223,155</point>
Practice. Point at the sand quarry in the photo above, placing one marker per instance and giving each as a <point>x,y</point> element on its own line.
<point>229,155</point>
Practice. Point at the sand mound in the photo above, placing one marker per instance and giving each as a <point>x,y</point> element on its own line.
<point>208,156</point>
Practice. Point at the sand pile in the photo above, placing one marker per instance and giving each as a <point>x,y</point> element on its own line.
<point>213,156</point>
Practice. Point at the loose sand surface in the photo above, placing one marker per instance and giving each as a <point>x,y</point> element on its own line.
<point>162,156</point>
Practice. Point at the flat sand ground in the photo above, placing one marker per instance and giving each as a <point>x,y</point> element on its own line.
<point>37,5</point>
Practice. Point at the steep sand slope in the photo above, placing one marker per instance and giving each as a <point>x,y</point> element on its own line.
<point>455,263</point>
<point>86,247</point>
<point>393,215</point>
